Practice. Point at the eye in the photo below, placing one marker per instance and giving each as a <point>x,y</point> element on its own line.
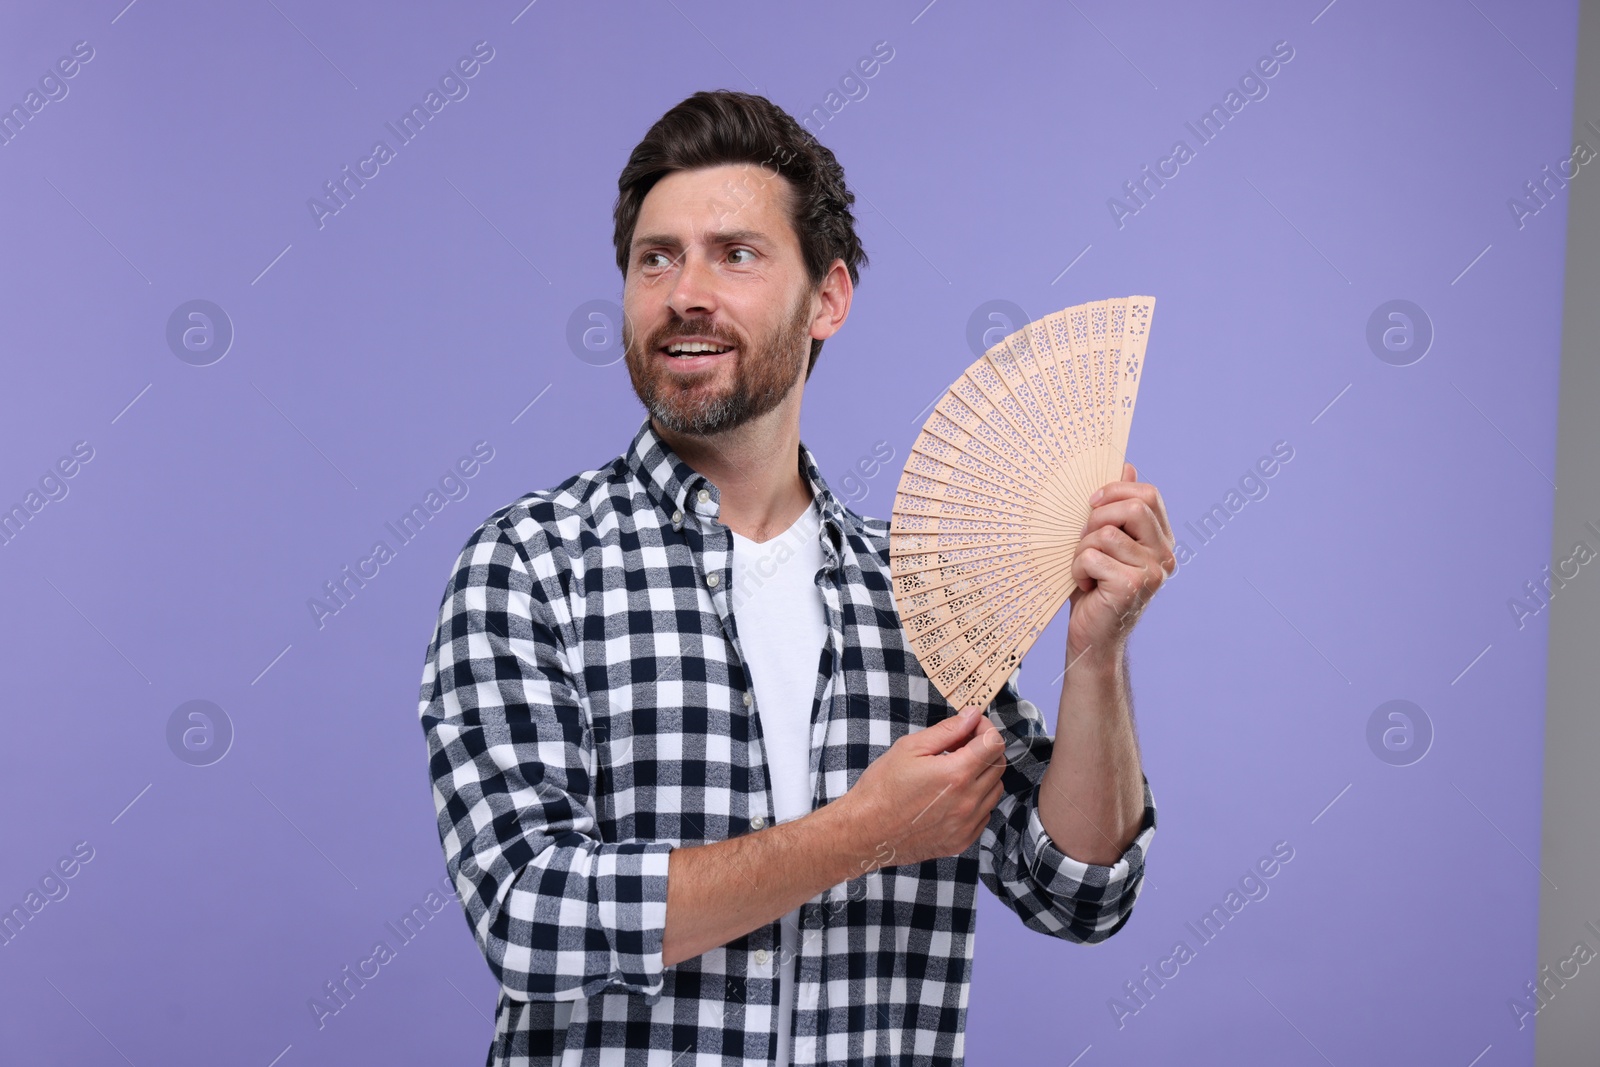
<point>644,260</point>
<point>736,251</point>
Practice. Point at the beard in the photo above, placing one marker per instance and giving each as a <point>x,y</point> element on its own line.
<point>691,403</point>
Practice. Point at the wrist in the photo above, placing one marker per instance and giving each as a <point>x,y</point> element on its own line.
<point>842,832</point>
<point>1101,661</point>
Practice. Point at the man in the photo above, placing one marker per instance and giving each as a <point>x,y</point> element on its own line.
<point>694,819</point>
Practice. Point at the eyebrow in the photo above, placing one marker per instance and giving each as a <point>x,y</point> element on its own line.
<point>720,237</point>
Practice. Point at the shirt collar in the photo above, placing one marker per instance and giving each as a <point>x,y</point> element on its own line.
<point>676,487</point>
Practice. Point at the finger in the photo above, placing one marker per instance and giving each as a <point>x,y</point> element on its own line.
<point>992,797</point>
<point>994,757</point>
<point>1129,472</point>
<point>1159,505</point>
<point>1115,556</point>
<point>995,769</point>
<point>1134,516</point>
<point>946,734</point>
<point>1141,556</point>
<point>980,751</point>
<point>1102,570</point>
<point>1114,491</point>
<point>1081,579</point>
<point>992,744</point>
<point>982,812</point>
<point>986,805</point>
<point>1115,542</point>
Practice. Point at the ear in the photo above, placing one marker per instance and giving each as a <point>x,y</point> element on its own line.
<point>836,293</point>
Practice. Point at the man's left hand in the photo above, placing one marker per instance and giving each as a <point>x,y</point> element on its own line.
<point>1126,552</point>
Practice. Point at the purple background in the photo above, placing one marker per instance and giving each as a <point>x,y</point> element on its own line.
<point>429,312</point>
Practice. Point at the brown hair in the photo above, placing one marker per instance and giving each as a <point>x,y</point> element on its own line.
<point>723,126</point>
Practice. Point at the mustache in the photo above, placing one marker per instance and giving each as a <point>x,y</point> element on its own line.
<point>693,328</point>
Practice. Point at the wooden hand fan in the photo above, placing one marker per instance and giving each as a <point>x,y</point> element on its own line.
<point>995,493</point>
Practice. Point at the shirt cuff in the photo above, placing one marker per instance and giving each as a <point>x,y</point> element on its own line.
<point>1062,876</point>
<point>631,884</point>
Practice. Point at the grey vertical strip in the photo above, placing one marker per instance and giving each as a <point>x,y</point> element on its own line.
<point>1570,847</point>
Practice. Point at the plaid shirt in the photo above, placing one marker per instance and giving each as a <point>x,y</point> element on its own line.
<point>587,709</point>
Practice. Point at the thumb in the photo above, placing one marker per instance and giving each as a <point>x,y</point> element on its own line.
<point>950,732</point>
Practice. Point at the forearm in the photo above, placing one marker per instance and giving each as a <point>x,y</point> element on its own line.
<point>722,891</point>
<point>1092,799</point>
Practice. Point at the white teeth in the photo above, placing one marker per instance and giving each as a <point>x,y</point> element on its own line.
<point>694,347</point>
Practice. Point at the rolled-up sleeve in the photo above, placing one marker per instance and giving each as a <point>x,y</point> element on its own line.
<point>558,913</point>
<point>1049,890</point>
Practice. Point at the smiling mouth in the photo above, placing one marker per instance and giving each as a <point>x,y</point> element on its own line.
<point>695,354</point>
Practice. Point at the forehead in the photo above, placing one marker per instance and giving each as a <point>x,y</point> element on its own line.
<point>689,204</point>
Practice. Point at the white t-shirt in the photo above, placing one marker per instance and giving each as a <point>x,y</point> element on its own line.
<point>783,629</point>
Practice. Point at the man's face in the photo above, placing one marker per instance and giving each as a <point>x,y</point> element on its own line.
<point>714,259</point>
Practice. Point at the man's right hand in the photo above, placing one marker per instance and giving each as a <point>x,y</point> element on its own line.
<point>930,794</point>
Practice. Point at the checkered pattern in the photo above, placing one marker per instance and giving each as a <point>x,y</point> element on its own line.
<point>587,709</point>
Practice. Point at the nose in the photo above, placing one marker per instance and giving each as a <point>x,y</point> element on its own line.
<point>693,291</point>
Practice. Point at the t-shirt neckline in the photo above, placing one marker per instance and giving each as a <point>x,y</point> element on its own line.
<point>810,511</point>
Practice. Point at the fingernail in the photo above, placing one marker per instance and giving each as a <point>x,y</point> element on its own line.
<point>970,710</point>
<point>1096,497</point>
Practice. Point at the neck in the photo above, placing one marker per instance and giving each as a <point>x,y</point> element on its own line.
<point>755,467</point>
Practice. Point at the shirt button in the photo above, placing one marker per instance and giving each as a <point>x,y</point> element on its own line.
<point>748,700</point>
<point>712,580</point>
<point>757,823</point>
<point>703,495</point>
<point>761,956</point>
<point>677,517</point>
